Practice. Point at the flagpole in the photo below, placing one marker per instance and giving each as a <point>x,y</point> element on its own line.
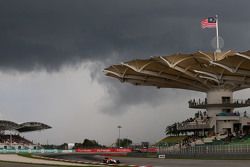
<point>217,35</point>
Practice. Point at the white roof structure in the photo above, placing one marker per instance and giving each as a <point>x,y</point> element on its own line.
<point>200,71</point>
<point>24,127</point>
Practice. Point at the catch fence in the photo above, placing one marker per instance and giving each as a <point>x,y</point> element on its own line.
<point>205,149</point>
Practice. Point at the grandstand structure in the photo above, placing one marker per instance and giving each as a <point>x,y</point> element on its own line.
<point>218,74</point>
<point>10,137</point>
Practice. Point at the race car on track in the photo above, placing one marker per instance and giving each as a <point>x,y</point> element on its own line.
<point>110,161</point>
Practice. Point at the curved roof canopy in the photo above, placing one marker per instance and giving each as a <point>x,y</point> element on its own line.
<point>8,125</point>
<point>24,127</point>
<point>32,126</point>
<point>200,71</point>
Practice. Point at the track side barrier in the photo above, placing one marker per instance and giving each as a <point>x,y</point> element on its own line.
<point>104,150</point>
<point>41,151</point>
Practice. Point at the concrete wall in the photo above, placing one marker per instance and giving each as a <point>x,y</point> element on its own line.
<point>214,96</point>
<point>223,125</point>
<point>245,121</point>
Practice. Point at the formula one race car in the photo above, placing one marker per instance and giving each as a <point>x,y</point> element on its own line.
<point>110,161</point>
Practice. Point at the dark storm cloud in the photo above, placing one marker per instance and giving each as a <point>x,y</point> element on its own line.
<point>47,34</point>
<point>123,97</point>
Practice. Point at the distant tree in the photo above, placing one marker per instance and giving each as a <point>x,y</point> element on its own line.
<point>172,130</point>
<point>63,146</point>
<point>168,130</point>
<point>123,142</point>
<point>87,143</point>
<point>77,145</point>
<point>49,146</point>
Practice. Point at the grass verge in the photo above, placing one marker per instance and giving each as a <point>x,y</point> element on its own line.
<point>29,155</point>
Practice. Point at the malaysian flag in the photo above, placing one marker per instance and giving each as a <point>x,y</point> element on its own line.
<point>209,22</point>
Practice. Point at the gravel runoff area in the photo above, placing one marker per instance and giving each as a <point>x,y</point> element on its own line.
<point>20,159</point>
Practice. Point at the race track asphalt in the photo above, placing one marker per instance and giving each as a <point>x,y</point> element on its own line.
<point>147,161</point>
<point>155,162</point>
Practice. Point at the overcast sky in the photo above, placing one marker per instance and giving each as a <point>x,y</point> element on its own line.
<point>52,53</point>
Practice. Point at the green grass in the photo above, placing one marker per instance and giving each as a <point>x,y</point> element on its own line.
<point>172,139</point>
<point>28,155</point>
<point>244,140</point>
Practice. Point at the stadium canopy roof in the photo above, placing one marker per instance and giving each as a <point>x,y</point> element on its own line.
<point>24,127</point>
<point>200,71</point>
<point>8,125</point>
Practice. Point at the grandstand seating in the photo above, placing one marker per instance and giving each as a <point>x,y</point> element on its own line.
<point>8,140</point>
<point>16,142</point>
<point>16,139</point>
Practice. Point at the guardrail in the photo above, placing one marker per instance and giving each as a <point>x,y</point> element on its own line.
<point>228,103</point>
<point>206,149</point>
<point>187,126</point>
<point>7,151</point>
<point>92,151</point>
